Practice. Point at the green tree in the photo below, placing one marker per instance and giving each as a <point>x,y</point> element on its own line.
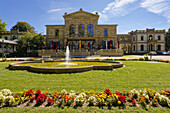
<point>168,40</point>
<point>2,26</point>
<point>23,27</point>
<point>30,40</point>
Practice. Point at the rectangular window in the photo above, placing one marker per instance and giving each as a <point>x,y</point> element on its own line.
<point>159,37</point>
<point>57,32</point>
<point>105,32</point>
<point>141,38</point>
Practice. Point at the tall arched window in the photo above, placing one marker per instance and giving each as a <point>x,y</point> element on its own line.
<point>81,30</point>
<point>72,30</point>
<point>142,48</point>
<point>159,47</point>
<point>90,30</point>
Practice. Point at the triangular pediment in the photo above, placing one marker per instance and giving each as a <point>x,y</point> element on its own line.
<point>80,13</point>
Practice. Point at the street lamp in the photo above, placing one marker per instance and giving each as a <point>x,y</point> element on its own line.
<point>2,48</point>
<point>150,38</point>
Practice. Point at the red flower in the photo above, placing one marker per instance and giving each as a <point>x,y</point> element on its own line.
<point>167,92</point>
<point>41,98</point>
<point>32,98</point>
<point>107,91</point>
<point>122,98</point>
<point>118,93</point>
<point>29,93</point>
<point>134,102</point>
<point>38,91</point>
<point>50,101</point>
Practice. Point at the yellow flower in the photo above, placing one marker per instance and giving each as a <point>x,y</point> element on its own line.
<point>13,99</point>
<point>119,102</point>
<point>105,104</point>
<point>117,97</point>
<point>9,101</point>
<point>21,92</point>
<point>102,100</point>
<point>22,98</point>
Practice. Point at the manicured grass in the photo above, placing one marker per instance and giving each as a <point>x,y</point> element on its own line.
<point>136,74</point>
<point>83,109</point>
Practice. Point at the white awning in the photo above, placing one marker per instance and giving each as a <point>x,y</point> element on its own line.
<point>8,42</point>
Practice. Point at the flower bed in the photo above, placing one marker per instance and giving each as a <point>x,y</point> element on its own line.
<point>121,59</point>
<point>145,99</point>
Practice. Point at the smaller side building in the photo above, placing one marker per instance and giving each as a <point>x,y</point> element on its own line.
<point>125,42</point>
<point>8,41</point>
<point>147,40</point>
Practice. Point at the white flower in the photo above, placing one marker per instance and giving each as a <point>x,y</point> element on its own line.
<point>91,99</point>
<point>71,95</point>
<point>6,92</point>
<point>140,91</point>
<point>163,100</point>
<point>83,95</point>
<point>79,99</point>
<point>147,97</point>
<point>72,91</point>
<point>168,103</point>
<point>145,91</point>
<point>2,98</point>
<point>9,98</point>
<point>64,91</point>
<point>134,91</point>
<point>157,95</point>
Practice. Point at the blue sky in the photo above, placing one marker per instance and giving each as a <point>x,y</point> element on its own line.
<point>128,14</point>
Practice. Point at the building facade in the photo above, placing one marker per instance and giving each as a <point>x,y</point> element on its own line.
<point>8,41</point>
<point>148,40</point>
<point>84,36</point>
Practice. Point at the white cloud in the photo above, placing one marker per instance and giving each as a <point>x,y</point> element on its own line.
<point>160,7</point>
<point>59,9</point>
<point>117,8</point>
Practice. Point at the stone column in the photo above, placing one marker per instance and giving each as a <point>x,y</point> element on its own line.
<point>85,30</point>
<point>155,47</point>
<point>76,29</point>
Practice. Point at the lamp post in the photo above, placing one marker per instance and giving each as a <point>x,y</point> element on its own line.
<point>2,48</point>
<point>150,38</point>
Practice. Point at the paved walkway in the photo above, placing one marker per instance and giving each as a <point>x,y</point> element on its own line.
<point>125,56</point>
<point>135,56</point>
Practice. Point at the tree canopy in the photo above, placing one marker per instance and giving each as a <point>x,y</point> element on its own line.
<point>23,27</point>
<point>2,26</point>
<point>30,40</point>
<point>168,40</point>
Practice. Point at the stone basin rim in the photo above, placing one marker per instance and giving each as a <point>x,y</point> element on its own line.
<point>15,66</point>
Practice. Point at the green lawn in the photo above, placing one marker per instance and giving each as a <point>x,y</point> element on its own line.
<point>84,109</point>
<point>136,74</point>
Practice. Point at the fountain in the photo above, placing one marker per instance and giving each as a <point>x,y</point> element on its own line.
<point>65,66</point>
<point>67,59</point>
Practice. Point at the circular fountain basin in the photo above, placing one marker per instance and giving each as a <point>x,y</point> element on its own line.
<point>56,68</point>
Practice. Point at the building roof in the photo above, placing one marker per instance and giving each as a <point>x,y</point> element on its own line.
<point>8,42</point>
<point>81,11</point>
